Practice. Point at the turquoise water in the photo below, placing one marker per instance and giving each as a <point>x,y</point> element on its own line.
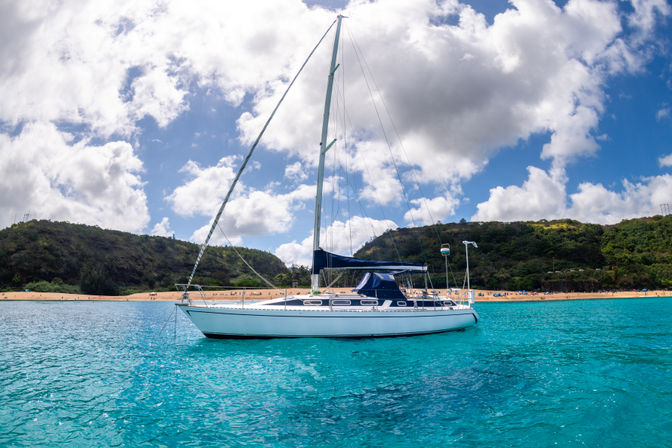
<point>595,373</point>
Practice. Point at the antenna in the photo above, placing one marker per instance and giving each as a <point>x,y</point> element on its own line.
<point>466,249</point>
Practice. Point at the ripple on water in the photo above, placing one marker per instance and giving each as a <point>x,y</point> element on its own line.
<point>569,373</point>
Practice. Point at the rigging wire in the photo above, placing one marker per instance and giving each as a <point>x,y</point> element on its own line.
<point>335,186</point>
<point>362,209</point>
<point>374,234</point>
<point>452,274</point>
<point>245,261</point>
<point>346,119</point>
<point>166,322</point>
<point>338,277</point>
<point>337,193</point>
<point>401,143</point>
<point>387,140</point>
<point>345,146</point>
<point>249,155</point>
<point>403,150</point>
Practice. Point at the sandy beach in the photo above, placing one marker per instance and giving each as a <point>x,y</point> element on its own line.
<point>263,294</point>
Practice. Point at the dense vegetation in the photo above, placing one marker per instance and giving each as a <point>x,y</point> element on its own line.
<point>62,257</point>
<point>562,255</point>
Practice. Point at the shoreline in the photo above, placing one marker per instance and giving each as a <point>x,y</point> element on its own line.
<point>264,294</point>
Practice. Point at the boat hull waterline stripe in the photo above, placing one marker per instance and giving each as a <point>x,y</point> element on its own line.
<point>236,336</point>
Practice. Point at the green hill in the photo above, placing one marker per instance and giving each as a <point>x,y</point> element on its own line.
<point>562,255</point>
<point>44,255</point>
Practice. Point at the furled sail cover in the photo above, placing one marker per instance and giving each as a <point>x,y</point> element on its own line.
<point>326,260</point>
<point>379,285</point>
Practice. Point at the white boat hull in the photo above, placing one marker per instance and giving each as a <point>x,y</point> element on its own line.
<point>261,322</point>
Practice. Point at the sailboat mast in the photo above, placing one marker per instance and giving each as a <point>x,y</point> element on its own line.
<point>314,278</point>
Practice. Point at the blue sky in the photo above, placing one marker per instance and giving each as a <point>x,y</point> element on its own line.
<point>135,115</point>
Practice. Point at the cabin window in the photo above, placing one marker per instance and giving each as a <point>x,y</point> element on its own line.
<point>340,302</point>
<point>369,302</point>
<point>401,303</point>
<point>312,302</point>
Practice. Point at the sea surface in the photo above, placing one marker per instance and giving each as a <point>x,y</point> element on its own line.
<point>594,373</point>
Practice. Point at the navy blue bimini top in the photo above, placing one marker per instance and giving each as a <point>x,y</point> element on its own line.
<point>382,286</point>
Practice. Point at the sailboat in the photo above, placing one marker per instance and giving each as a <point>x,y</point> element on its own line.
<point>377,307</point>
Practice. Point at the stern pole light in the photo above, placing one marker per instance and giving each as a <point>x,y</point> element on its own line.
<point>466,250</point>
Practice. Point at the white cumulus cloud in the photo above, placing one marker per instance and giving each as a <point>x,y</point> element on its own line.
<point>429,211</point>
<point>460,93</point>
<point>459,88</point>
<point>162,228</point>
<point>295,172</point>
<point>595,203</point>
<point>543,196</point>
<point>45,173</point>
<point>665,161</point>
<point>205,190</point>
<point>257,212</point>
<point>537,68</point>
